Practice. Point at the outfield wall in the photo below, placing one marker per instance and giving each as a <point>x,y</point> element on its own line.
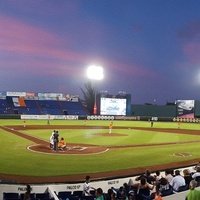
<point>154,110</point>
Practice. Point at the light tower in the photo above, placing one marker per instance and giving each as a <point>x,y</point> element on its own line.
<point>95,73</point>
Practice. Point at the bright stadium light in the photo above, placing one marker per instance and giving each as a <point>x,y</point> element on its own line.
<point>95,72</point>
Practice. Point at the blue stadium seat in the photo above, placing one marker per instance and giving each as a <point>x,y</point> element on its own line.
<point>32,196</point>
<point>42,196</point>
<point>64,195</point>
<point>87,197</point>
<point>10,196</point>
<point>77,194</point>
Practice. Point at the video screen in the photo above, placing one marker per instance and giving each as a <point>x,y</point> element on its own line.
<point>112,106</point>
<point>185,108</point>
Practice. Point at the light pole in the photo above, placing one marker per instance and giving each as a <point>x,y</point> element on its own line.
<point>95,72</point>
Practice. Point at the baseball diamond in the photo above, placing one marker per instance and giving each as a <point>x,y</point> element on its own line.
<point>40,146</point>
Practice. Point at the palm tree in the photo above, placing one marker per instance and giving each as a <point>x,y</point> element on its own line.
<point>89,96</point>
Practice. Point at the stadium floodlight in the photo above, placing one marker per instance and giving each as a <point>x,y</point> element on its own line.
<point>95,72</point>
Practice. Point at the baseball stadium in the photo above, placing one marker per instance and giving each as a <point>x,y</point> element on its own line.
<point>141,137</point>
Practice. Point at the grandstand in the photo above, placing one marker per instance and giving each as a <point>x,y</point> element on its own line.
<point>24,103</point>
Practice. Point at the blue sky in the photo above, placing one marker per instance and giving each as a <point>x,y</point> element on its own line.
<point>148,48</point>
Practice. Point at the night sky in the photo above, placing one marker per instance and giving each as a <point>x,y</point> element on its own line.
<point>148,48</point>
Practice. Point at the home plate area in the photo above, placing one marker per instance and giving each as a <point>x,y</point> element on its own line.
<point>70,149</point>
<point>78,148</point>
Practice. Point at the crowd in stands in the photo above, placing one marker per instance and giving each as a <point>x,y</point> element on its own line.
<point>148,186</point>
<point>152,187</point>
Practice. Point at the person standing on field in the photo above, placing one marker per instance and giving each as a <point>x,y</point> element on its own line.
<point>51,140</point>
<point>55,141</point>
<point>151,123</point>
<point>110,127</point>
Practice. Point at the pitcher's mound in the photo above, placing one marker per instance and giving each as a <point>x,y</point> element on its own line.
<point>110,135</point>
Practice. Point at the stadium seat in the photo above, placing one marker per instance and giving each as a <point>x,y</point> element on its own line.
<point>64,195</point>
<point>32,196</point>
<point>10,196</point>
<point>42,196</point>
<point>92,192</point>
<point>77,194</point>
<point>87,197</point>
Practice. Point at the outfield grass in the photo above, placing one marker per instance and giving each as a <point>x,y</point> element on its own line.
<point>16,159</point>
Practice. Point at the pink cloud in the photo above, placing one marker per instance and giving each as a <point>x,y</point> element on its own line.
<point>21,39</point>
<point>52,8</point>
<point>37,49</point>
<point>132,69</point>
<point>191,50</point>
<point>189,36</point>
<point>190,30</point>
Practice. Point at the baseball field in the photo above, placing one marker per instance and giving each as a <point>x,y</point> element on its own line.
<point>132,147</point>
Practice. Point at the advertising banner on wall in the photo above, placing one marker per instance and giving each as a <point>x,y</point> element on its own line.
<point>2,95</point>
<point>16,94</point>
<point>51,117</point>
<point>185,108</point>
<point>50,96</point>
<point>30,94</point>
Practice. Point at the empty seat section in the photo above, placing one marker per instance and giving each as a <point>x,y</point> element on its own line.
<point>72,108</point>
<point>50,107</point>
<point>65,195</point>
<point>42,196</point>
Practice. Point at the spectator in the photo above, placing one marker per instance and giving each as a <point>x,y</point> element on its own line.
<point>27,194</point>
<point>169,174</point>
<point>158,196</point>
<point>126,188</point>
<point>164,187</point>
<point>99,194</point>
<point>177,181</point>
<point>197,166</point>
<point>187,176</point>
<point>197,173</point>
<point>147,175</point>
<point>132,193</point>
<point>121,193</point>
<point>110,195</point>
<point>157,176</point>
<point>143,189</point>
<point>87,187</point>
<point>193,193</point>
